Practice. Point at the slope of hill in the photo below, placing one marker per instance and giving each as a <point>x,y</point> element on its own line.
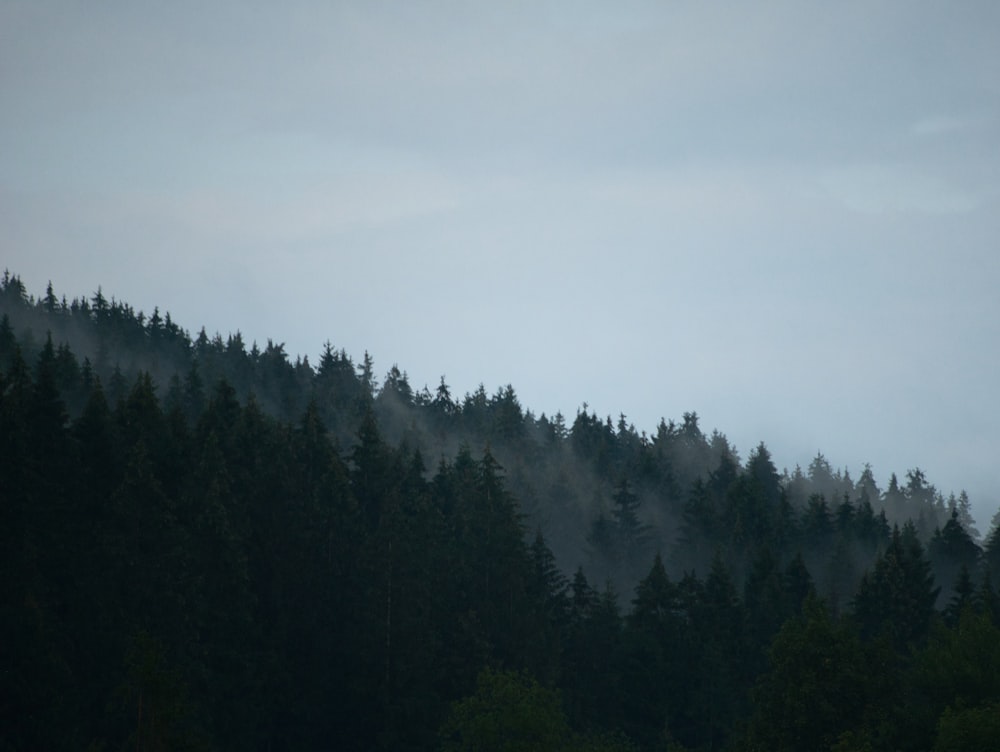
<point>213,546</point>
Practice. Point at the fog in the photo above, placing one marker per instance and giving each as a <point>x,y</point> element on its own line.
<point>784,219</point>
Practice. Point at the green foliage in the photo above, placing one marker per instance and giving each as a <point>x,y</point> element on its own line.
<point>952,550</point>
<point>817,687</point>
<point>897,597</point>
<point>960,667</point>
<point>508,712</point>
<point>969,729</point>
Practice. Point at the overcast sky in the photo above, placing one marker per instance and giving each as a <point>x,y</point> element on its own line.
<point>782,215</point>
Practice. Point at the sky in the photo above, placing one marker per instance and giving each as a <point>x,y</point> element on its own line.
<point>781,215</point>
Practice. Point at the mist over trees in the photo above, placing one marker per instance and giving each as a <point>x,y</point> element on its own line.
<point>209,545</point>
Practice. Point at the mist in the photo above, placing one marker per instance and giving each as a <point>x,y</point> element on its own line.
<point>623,359</point>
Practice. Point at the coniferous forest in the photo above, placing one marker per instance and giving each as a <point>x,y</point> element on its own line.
<point>207,544</point>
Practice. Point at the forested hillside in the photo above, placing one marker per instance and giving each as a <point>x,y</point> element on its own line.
<point>209,545</point>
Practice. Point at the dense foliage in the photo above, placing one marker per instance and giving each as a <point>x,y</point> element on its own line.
<point>212,547</point>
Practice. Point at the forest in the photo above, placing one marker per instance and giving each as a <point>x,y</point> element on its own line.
<point>213,545</point>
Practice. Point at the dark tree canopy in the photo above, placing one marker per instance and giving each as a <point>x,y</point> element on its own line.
<point>205,544</point>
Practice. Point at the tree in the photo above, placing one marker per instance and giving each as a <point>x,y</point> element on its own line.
<point>156,697</point>
<point>633,536</point>
<point>821,477</point>
<point>366,374</point>
<point>798,584</point>
<point>722,669</point>
<point>499,558</point>
<point>964,507</point>
<point>817,688</point>
<point>951,550</point>
<point>221,604</point>
<point>508,712</point>
<point>964,592</point>
<point>817,524</point>
<point>370,475</point>
<point>991,550</point>
<point>603,543</point>
<point>986,600</point>
<point>396,386</point>
<point>547,593</point>
<point>965,729</point>
<point>701,526</point>
<point>766,606</point>
<point>507,416</point>
<point>959,668</point>
<point>756,511</point>
<point>619,543</point>
<point>578,655</point>
<point>894,501</point>
<point>918,490</point>
<point>762,471</point>
<point>653,678</point>
<point>866,489</point>
<point>897,596</point>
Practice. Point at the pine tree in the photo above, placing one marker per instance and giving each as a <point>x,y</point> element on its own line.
<point>991,550</point>
<point>549,604</point>
<point>963,596</point>
<point>964,507</point>
<point>817,688</point>
<point>631,534</point>
<point>723,665</point>
<point>897,596</point>
<point>766,605</point>
<point>651,677</point>
<point>951,550</point>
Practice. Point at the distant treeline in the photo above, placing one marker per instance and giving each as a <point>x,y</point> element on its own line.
<point>207,546</point>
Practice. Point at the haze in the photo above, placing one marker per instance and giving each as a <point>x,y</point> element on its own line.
<point>783,216</point>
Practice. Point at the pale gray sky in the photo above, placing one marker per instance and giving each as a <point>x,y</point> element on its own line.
<point>782,215</point>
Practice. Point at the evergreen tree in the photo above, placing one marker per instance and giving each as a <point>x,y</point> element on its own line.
<point>548,594</point>
<point>951,550</point>
<point>817,688</point>
<point>959,668</point>
<point>652,671</point>
<point>766,606</point>
<point>991,551</point>
<point>897,596</point>
<point>207,570</point>
<point>723,668</point>
<point>633,536</point>
<point>963,596</point>
<point>577,674</point>
<point>964,507</point>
